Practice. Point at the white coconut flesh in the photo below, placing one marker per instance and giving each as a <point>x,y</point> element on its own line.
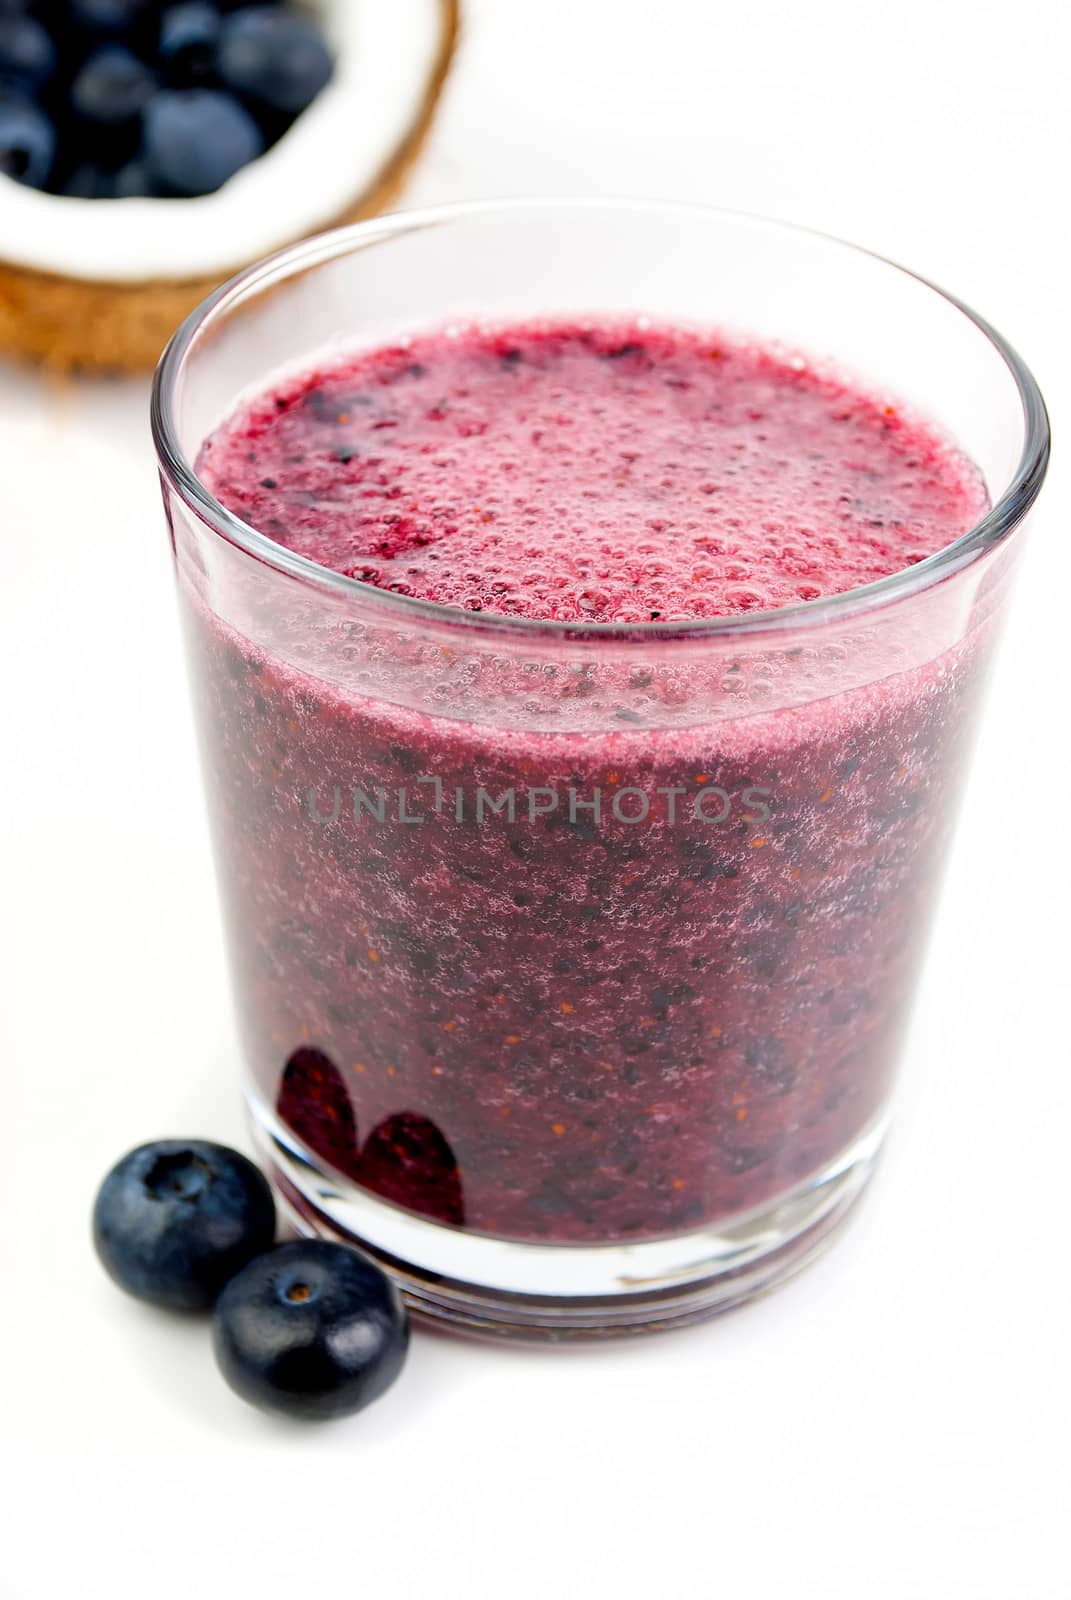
<point>385,57</point>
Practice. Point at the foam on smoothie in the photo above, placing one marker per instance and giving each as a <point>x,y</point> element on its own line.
<point>599,472</point>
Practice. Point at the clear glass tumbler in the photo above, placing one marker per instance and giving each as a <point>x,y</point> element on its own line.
<point>572,963</point>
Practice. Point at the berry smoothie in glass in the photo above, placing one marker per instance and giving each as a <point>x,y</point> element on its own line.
<point>584,683</point>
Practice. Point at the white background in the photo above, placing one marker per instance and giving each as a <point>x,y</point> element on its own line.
<point>893,1424</point>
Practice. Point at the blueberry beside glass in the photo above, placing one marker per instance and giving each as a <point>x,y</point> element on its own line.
<point>310,1329</point>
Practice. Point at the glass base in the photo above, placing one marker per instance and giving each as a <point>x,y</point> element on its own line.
<point>499,1287</point>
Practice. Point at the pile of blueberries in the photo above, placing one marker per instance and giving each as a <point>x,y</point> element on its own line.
<point>111,98</point>
<point>311,1329</point>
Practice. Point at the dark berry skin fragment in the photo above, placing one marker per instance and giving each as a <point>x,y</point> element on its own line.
<point>407,1160</point>
<point>314,1101</point>
<point>175,1220</point>
<point>312,1329</point>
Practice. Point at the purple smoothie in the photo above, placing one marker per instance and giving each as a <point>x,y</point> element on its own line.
<point>658,976</point>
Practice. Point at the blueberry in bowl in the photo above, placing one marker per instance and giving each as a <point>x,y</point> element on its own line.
<point>112,87</point>
<point>189,43</point>
<point>151,148</point>
<point>27,139</point>
<point>190,86</point>
<point>195,139</point>
<point>27,52</point>
<point>274,58</point>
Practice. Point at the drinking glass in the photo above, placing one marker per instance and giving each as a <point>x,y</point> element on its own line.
<point>572,962</point>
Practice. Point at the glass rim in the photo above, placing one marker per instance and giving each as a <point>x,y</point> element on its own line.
<point>998,522</point>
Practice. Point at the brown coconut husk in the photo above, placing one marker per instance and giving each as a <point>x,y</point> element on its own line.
<point>77,324</point>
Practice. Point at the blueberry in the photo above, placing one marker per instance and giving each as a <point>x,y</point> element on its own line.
<point>276,58</point>
<point>314,1101</point>
<point>133,181</point>
<point>408,1161</point>
<point>110,16</point>
<point>88,181</point>
<point>312,1329</point>
<point>176,1219</point>
<point>27,141</point>
<point>195,139</point>
<point>27,54</point>
<point>189,35</point>
<point>112,87</point>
